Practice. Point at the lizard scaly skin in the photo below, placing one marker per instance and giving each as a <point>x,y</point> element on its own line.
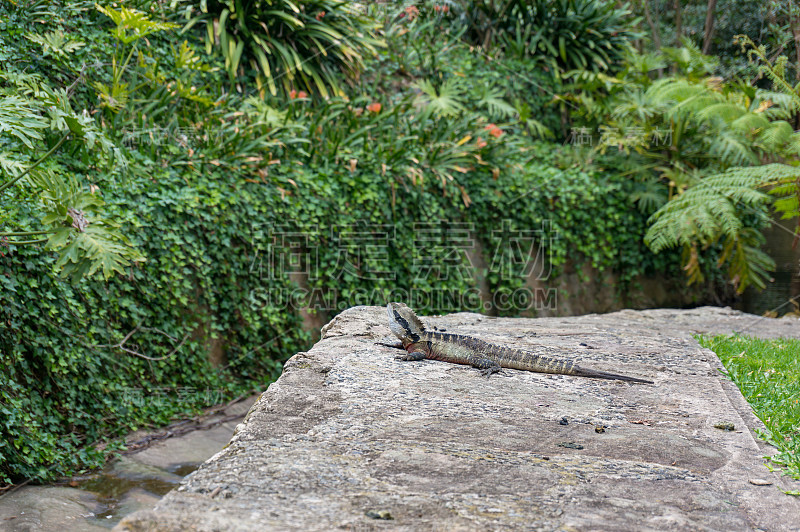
<point>489,358</point>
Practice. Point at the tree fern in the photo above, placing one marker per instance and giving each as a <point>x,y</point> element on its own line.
<point>713,209</point>
<point>713,127</point>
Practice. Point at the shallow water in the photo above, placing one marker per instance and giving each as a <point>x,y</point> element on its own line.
<point>99,500</point>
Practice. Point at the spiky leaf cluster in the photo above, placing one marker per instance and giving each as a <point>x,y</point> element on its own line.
<point>290,45</point>
<point>564,34</point>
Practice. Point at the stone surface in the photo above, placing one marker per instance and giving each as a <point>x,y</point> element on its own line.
<point>350,438</point>
<point>49,509</point>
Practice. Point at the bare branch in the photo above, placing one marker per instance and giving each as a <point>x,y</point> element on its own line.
<point>121,344</point>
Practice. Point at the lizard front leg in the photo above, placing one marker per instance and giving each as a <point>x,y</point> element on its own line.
<point>414,355</point>
<point>486,365</point>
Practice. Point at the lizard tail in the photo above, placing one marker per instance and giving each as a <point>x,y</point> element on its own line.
<point>594,374</point>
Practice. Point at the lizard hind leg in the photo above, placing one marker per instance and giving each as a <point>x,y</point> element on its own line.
<point>486,365</point>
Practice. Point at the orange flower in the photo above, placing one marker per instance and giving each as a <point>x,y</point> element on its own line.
<point>302,94</point>
<point>320,15</point>
<point>493,130</point>
<point>443,9</point>
<point>292,94</point>
<point>480,143</point>
<point>412,12</point>
<point>374,107</point>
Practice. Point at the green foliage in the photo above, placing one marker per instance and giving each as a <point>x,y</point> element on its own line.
<point>579,216</point>
<point>767,22</point>
<point>68,386</point>
<point>426,53</point>
<point>385,188</point>
<point>766,372</point>
<point>717,207</point>
<point>711,127</point>
<point>132,25</point>
<point>206,237</point>
<point>308,45</point>
<point>85,245</point>
<point>56,43</point>
<point>563,35</point>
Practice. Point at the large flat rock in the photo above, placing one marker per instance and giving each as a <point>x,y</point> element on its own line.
<point>350,438</point>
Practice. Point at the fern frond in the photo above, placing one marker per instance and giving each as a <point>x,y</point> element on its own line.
<point>680,90</point>
<point>747,263</point>
<point>638,105</point>
<point>538,130</point>
<point>789,207</point>
<point>775,71</point>
<point>776,135</point>
<point>725,111</point>
<point>749,122</point>
<point>709,209</point>
<point>783,105</point>
<point>793,144</point>
<point>732,149</point>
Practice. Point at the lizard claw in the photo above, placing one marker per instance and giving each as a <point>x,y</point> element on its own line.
<point>490,370</point>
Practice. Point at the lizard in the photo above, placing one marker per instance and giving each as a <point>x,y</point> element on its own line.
<point>490,358</point>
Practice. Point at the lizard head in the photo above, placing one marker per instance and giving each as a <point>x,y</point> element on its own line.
<point>404,323</point>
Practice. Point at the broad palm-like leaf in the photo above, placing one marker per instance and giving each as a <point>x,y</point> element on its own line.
<point>99,248</point>
<point>445,100</point>
<point>56,43</point>
<point>19,118</point>
<point>492,100</point>
<point>132,25</point>
<point>86,243</point>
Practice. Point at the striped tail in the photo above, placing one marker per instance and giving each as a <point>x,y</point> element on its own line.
<point>594,374</point>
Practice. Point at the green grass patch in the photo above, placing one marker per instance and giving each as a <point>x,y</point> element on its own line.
<point>768,374</point>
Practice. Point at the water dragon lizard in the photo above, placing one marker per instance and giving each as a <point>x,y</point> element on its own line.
<point>489,358</point>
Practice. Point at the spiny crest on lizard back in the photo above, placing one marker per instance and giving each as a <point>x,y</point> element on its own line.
<point>403,322</point>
